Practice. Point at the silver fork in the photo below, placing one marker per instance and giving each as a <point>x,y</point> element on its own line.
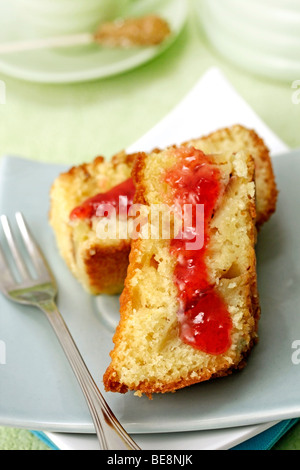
<point>41,293</point>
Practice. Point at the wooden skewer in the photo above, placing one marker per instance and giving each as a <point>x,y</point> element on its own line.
<point>47,43</point>
<point>149,30</point>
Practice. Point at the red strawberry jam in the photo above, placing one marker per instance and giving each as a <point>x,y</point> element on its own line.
<point>120,197</point>
<point>204,320</point>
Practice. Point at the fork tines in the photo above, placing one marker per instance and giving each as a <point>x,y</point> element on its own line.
<point>32,249</point>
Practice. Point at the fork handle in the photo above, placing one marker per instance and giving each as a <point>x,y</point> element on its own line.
<point>111,434</point>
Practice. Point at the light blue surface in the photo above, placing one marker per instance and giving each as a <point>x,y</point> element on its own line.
<point>267,439</point>
<point>38,389</point>
<point>42,436</point>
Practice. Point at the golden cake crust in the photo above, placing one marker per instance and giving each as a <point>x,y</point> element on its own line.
<point>99,267</point>
<point>247,283</point>
<point>237,138</point>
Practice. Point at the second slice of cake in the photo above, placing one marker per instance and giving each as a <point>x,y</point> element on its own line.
<point>190,307</point>
<point>99,264</point>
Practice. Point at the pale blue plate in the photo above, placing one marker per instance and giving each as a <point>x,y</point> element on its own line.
<point>37,387</point>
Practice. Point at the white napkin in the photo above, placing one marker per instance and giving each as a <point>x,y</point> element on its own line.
<point>212,104</point>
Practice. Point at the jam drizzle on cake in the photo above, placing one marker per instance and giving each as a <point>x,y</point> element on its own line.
<point>120,197</point>
<point>204,320</point>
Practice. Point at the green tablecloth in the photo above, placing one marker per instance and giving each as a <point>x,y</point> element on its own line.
<point>73,123</point>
